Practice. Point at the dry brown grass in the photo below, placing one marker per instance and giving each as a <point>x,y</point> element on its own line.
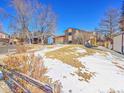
<point>50,46</point>
<point>34,46</point>
<point>27,47</point>
<point>118,65</point>
<point>32,66</point>
<point>112,91</point>
<point>85,76</point>
<point>28,64</point>
<point>21,49</point>
<point>68,55</point>
<point>121,67</point>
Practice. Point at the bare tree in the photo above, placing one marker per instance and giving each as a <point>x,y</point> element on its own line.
<point>30,15</point>
<point>46,22</point>
<point>20,20</point>
<point>110,23</point>
<point>78,38</point>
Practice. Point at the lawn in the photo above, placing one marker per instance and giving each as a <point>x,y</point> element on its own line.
<point>84,70</point>
<point>69,55</point>
<point>78,69</point>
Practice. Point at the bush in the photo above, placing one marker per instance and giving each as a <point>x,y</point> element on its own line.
<point>28,64</point>
<point>21,49</point>
<point>32,66</point>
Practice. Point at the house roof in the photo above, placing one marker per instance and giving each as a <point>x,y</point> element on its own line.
<point>78,30</point>
<point>3,32</point>
<point>4,40</point>
<point>59,36</point>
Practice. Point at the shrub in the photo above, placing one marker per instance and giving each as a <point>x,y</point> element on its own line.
<point>32,66</point>
<point>27,64</point>
<point>21,49</point>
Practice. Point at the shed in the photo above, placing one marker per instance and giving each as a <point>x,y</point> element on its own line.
<point>118,42</point>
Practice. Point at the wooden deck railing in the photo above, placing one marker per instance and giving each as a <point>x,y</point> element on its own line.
<point>11,73</point>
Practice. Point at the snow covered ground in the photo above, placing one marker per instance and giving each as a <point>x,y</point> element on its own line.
<point>108,69</point>
<point>108,75</point>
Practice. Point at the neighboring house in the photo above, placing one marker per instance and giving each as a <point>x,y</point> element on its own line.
<point>14,41</point>
<point>59,39</point>
<point>4,38</point>
<point>35,37</point>
<point>76,36</point>
<point>38,37</point>
<point>118,42</point>
<point>3,35</point>
<point>73,36</point>
<point>108,43</point>
<point>99,40</point>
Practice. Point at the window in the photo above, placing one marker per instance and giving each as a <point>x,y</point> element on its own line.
<point>69,33</point>
<point>70,42</point>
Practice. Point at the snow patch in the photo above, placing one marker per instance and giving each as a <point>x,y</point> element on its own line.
<point>80,50</point>
<point>106,74</point>
<point>62,72</point>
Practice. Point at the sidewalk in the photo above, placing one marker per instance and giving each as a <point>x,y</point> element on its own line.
<point>108,50</point>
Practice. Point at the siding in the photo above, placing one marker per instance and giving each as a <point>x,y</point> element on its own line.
<point>59,40</point>
<point>117,43</point>
<point>2,35</point>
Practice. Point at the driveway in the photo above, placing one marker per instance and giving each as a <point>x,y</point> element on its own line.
<point>111,51</point>
<point>4,49</point>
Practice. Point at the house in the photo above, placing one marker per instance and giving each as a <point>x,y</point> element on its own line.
<point>14,41</point>
<point>108,43</point>
<point>73,36</point>
<point>4,38</point>
<point>59,39</point>
<point>39,37</point>
<point>3,35</point>
<point>77,36</point>
<point>36,37</point>
<point>118,42</point>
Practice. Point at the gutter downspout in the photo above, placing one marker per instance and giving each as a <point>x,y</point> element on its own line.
<point>122,43</point>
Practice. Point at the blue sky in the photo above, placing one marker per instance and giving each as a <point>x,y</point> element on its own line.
<point>82,14</point>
